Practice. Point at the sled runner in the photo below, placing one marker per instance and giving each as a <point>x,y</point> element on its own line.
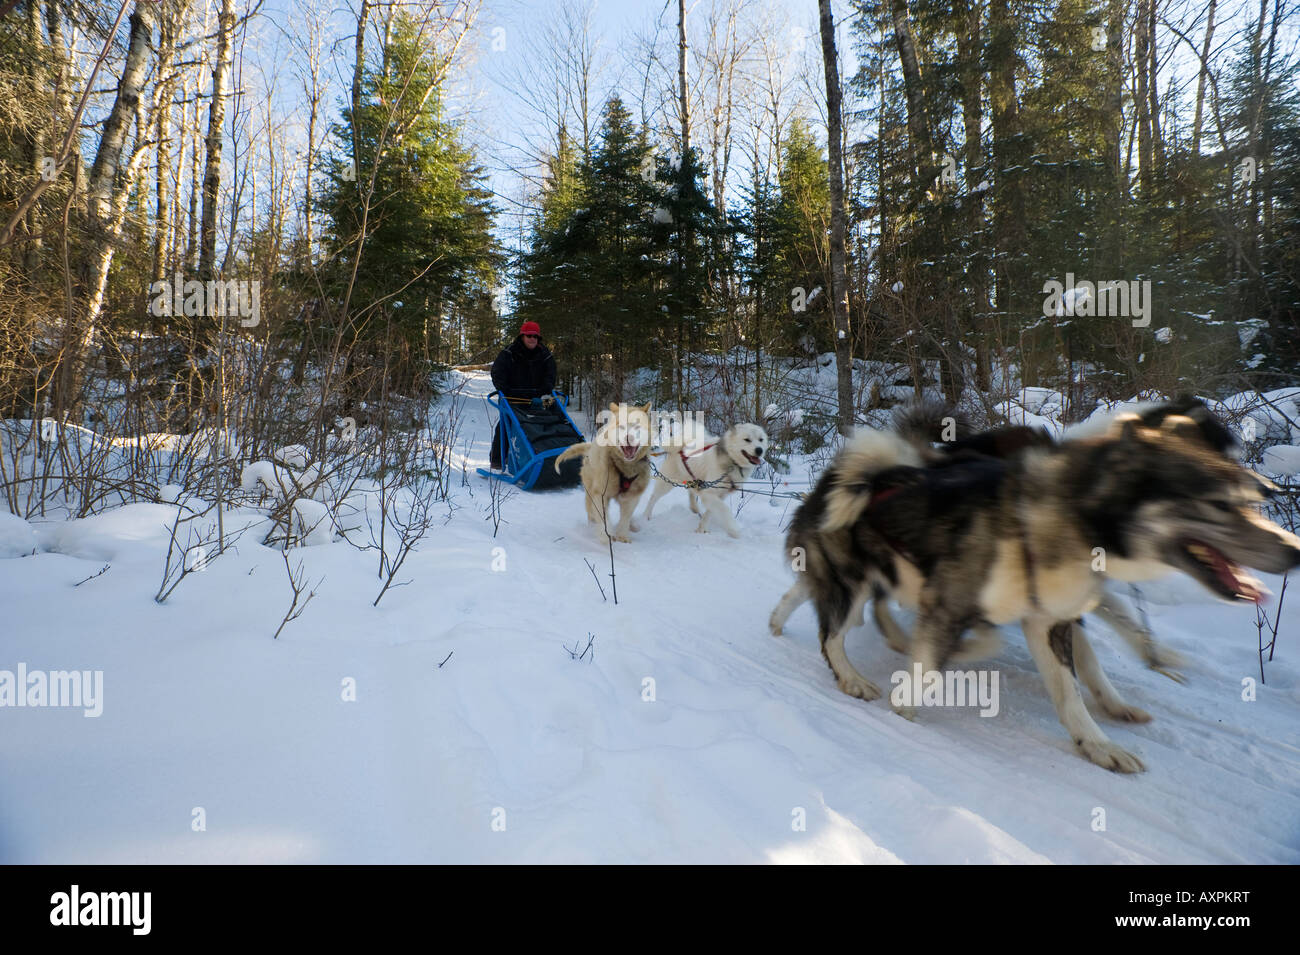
<point>532,437</point>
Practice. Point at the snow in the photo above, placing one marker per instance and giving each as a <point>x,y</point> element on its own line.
<point>293,455</point>
<point>312,522</point>
<point>1248,330</point>
<point>17,537</point>
<point>1281,460</point>
<point>469,709</point>
<point>271,477</point>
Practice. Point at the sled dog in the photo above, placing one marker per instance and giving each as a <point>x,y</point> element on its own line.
<point>716,467</point>
<point>615,467</point>
<point>982,541</point>
<point>922,422</point>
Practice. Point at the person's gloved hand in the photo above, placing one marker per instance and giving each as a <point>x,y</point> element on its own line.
<point>548,401</point>
<point>535,403</point>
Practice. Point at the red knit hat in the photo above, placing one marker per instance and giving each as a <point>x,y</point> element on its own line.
<point>530,328</point>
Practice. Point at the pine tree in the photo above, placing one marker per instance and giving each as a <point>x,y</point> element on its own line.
<point>800,270</point>
<point>427,249</point>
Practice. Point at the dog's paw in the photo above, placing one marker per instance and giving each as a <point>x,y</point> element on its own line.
<point>906,712</point>
<point>1119,710</point>
<point>774,627</point>
<point>1166,662</point>
<point>1109,756</point>
<point>622,538</point>
<point>701,530</point>
<point>859,687</point>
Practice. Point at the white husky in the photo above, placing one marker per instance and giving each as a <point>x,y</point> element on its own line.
<point>711,468</point>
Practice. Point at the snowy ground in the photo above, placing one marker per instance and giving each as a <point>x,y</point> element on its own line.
<point>515,752</point>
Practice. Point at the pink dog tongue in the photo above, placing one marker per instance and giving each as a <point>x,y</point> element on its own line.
<point>1232,577</point>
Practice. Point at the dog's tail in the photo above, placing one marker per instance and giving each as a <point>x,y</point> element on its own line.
<point>929,420</point>
<point>932,420</point>
<point>571,452</point>
<point>866,455</point>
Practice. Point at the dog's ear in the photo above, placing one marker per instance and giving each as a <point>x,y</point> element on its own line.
<point>1181,426</point>
<point>646,408</point>
<point>613,408</point>
<point>1128,426</point>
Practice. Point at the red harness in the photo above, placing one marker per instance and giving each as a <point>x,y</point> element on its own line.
<point>687,464</point>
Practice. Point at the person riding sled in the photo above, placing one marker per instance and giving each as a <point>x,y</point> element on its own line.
<point>524,373</point>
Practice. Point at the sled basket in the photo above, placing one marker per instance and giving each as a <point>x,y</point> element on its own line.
<point>531,439</point>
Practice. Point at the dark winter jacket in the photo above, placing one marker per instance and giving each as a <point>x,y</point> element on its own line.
<point>521,372</point>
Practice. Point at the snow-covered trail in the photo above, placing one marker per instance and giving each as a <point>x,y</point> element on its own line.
<point>512,751</point>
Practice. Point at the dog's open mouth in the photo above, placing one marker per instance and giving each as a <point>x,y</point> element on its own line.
<point>629,451</point>
<point>751,458</point>
<point>1217,572</point>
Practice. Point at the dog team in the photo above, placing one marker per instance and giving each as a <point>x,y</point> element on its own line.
<point>616,467</point>
<point>993,528</point>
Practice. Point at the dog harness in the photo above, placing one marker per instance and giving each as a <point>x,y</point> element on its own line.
<point>698,483</point>
<point>686,463</point>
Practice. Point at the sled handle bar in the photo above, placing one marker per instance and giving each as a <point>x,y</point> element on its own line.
<point>528,401</point>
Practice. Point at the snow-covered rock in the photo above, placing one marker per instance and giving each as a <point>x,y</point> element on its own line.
<point>312,524</point>
<point>272,477</point>
<point>293,456</point>
<point>17,537</point>
<point>170,493</point>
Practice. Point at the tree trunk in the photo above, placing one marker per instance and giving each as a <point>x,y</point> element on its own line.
<point>684,184</point>
<point>839,271</point>
<point>358,68</point>
<point>1200,80</point>
<point>1141,53</point>
<point>1153,94</point>
<point>216,120</point>
<point>918,128</point>
<point>1009,203</point>
<point>162,133</point>
<point>31,253</point>
<point>107,191</point>
<point>1113,125</point>
<point>972,104</point>
<point>196,188</point>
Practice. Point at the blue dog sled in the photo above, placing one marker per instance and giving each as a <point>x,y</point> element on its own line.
<point>531,438</point>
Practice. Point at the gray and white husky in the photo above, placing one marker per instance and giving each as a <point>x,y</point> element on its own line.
<point>710,468</point>
<point>978,541</point>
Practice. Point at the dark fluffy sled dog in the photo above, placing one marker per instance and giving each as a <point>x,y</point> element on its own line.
<point>976,541</point>
<point>923,422</point>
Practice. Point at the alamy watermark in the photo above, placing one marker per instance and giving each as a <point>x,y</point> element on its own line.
<point>662,428</point>
<point>1104,299</point>
<point>949,688</point>
<point>83,688</point>
<point>128,909</point>
<point>213,299</point>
